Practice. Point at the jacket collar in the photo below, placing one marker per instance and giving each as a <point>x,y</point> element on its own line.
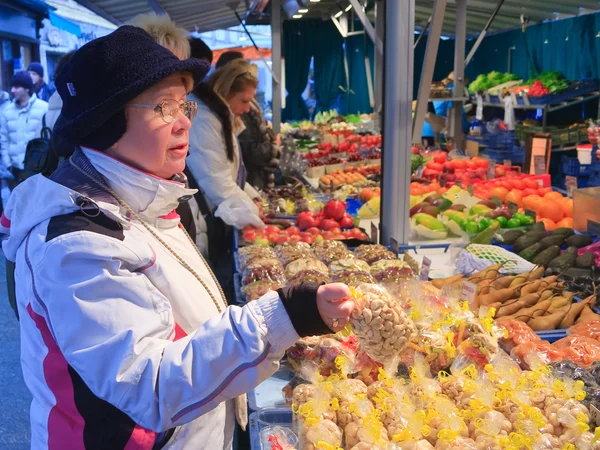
<point>27,107</point>
<point>151,197</point>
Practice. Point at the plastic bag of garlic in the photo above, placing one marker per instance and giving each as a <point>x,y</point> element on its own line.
<point>380,324</point>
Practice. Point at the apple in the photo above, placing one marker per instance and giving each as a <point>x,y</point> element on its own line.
<point>335,209</point>
<point>249,236</point>
<point>272,229</point>
<point>338,237</point>
<point>282,239</point>
<point>306,220</point>
<point>346,221</point>
<point>310,239</point>
<point>295,238</point>
<point>328,224</point>
<point>319,239</point>
<point>328,235</point>
<point>336,229</point>
<point>314,231</point>
<point>292,231</point>
<point>260,241</point>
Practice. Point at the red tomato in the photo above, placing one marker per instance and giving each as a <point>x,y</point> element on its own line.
<point>543,191</point>
<point>459,163</point>
<point>518,184</point>
<point>440,158</point>
<point>328,224</point>
<point>335,210</point>
<point>314,231</point>
<point>293,230</point>
<point>438,167</point>
<point>531,184</point>
<point>527,192</point>
<point>272,229</point>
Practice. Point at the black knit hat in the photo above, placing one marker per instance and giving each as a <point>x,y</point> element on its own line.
<point>106,74</point>
<point>37,68</point>
<point>22,79</point>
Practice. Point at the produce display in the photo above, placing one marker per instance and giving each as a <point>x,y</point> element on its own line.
<point>484,82</point>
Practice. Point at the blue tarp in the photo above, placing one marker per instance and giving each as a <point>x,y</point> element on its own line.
<point>64,24</point>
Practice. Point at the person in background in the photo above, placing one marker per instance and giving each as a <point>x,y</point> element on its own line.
<point>4,99</point>
<point>40,88</point>
<point>55,102</point>
<point>228,56</point>
<point>260,146</point>
<point>20,122</point>
<point>200,50</point>
<point>127,342</point>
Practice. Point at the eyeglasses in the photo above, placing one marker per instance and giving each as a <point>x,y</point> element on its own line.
<point>168,109</point>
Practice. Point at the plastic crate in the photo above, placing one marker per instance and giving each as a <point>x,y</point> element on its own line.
<point>560,136</point>
<point>503,140</point>
<point>516,154</point>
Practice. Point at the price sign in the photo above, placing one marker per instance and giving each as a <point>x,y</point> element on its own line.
<point>593,227</point>
<point>512,207</point>
<point>394,245</point>
<point>442,182</point>
<point>594,415</point>
<point>469,291</point>
<point>571,183</point>
<point>491,170</point>
<point>530,213</point>
<point>497,201</point>
<point>425,268</point>
<point>373,233</point>
<point>539,164</point>
<point>507,163</point>
<point>471,189</point>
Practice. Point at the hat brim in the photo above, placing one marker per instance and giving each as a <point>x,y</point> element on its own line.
<point>76,128</point>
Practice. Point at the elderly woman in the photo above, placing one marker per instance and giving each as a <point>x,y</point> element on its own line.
<point>126,338</point>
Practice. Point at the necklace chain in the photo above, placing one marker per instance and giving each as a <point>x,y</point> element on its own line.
<point>164,244</point>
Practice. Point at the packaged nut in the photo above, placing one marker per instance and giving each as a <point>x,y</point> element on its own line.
<point>380,324</point>
<point>256,290</point>
<point>305,267</point>
<point>324,431</point>
<point>349,265</point>
<point>329,251</point>
<point>251,252</point>
<point>372,253</point>
<point>385,270</point>
<point>254,273</point>
<point>291,251</point>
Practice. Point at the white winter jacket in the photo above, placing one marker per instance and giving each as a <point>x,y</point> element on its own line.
<point>121,346</point>
<point>18,126</point>
<point>208,162</point>
<point>54,108</point>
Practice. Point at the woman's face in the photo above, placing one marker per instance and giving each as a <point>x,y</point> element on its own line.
<point>149,143</point>
<point>239,103</point>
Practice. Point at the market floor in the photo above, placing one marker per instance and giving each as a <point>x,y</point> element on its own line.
<point>15,398</point>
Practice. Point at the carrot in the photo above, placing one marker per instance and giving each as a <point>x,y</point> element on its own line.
<point>536,273</point>
<point>441,282</point>
<point>549,322</point>
<point>510,308</point>
<point>501,295</point>
<point>575,310</point>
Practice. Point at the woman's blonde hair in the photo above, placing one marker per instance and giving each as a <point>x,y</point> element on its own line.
<point>234,77</point>
<point>165,32</point>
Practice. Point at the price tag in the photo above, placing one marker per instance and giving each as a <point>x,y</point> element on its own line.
<point>425,268</point>
<point>469,291</point>
<point>331,186</point>
<point>594,415</point>
<point>442,181</point>
<point>512,207</point>
<point>571,184</point>
<point>471,189</point>
<point>530,213</point>
<point>539,164</point>
<point>419,172</point>
<point>497,201</point>
<point>373,233</point>
<point>507,163</point>
<point>394,245</point>
<point>593,227</point>
<point>491,170</point>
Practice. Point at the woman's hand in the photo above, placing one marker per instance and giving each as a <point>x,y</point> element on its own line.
<point>335,305</point>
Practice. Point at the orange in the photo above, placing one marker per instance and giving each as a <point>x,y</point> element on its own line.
<point>567,207</point>
<point>532,202</point>
<point>514,196</point>
<point>553,195</point>
<point>567,222</point>
<point>500,192</point>
<point>550,210</point>
<point>531,184</point>
<point>549,224</point>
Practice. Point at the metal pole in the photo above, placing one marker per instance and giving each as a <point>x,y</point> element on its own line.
<point>358,10</point>
<point>459,70</point>
<point>483,33</point>
<point>423,31</point>
<point>276,79</point>
<point>431,51</point>
<point>380,29</point>
<point>276,62</point>
<point>398,87</point>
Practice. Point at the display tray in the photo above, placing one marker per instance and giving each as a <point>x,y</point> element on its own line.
<point>259,420</point>
<point>268,394</point>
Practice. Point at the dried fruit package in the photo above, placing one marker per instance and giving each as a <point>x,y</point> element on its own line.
<point>534,354</point>
<point>378,321</point>
<point>329,251</point>
<point>269,271</point>
<point>589,329</point>
<point>306,267</point>
<point>372,253</point>
<point>351,271</point>
<point>388,270</point>
<point>256,290</point>
<point>517,333</point>
<point>579,349</point>
<point>291,251</point>
<point>251,252</point>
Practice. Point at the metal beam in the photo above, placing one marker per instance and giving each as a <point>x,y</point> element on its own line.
<point>276,63</point>
<point>99,11</point>
<point>359,11</point>
<point>423,31</point>
<point>431,51</point>
<point>157,8</point>
<point>398,87</point>
<point>260,55</point>
<point>459,70</point>
<point>483,32</point>
<point>380,29</point>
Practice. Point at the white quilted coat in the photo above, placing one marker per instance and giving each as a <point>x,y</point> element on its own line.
<point>17,127</point>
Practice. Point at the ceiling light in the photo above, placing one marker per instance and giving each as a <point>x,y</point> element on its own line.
<point>338,14</point>
<point>297,16</point>
<point>348,8</point>
<point>303,11</point>
<point>315,1</point>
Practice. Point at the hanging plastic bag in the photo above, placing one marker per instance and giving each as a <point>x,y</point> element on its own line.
<point>238,213</point>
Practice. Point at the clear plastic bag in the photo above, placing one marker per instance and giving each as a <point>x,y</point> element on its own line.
<point>579,349</point>
<point>291,251</point>
<point>251,252</point>
<point>305,267</point>
<point>257,289</point>
<point>239,213</point>
<point>329,251</point>
<point>372,253</point>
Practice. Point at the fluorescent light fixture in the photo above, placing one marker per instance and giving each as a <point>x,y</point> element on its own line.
<point>338,14</point>
<point>303,11</point>
<point>315,1</point>
<point>297,16</point>
<point>348,8</point>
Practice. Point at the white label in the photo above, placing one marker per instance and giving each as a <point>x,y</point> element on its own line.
<point>373,233</point>
<point>479,111</point>
<point>425,268</point>
<point>491,170</point>
<point>571,184</point>
<point>394,246</point>
<point>509,113</point>
<point>469,291</point>
<point>595,415</point>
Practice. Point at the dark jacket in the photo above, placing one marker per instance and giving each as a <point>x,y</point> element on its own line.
<point>43,91</point>
<point>258,150</point>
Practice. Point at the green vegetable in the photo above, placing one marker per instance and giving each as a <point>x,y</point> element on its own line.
<point>471,227</point>
<point>503,221</point>
<point>526,220</point>
<point>484,223</point>
<point>484,82</point>
<point>416,161</point>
